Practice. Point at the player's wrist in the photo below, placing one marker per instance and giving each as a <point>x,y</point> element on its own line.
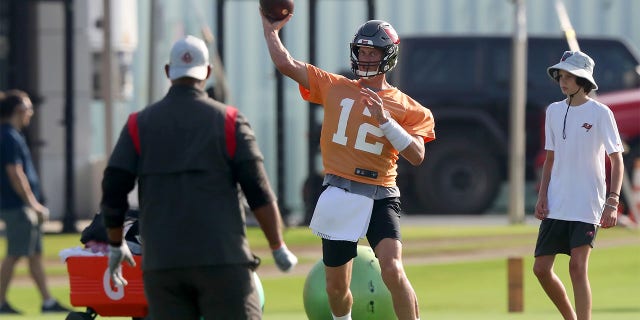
<point>115,243</point>
<point>399,138</point>
<point>382,120</point>
<point>277,246</point>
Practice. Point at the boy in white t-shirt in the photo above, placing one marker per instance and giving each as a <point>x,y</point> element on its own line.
<point>573,200</point>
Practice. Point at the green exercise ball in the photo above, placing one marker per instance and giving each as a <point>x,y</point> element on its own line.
<point>371,298</point>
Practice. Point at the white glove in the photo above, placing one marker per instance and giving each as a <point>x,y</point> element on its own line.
<point>116,256</point>
<point>285,259</point>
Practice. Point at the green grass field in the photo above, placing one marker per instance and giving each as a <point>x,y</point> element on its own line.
<point>458,290</point>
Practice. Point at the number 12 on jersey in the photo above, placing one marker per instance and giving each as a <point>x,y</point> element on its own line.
<point>364,129</point>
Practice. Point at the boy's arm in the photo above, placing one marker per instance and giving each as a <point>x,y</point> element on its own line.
<point>617,172</point>
<point>280,56</point>
<point>542,209</point>
<point>610,213</point>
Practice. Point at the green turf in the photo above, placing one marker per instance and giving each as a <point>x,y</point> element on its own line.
<point>301,236</point>
<point>466,290</point>
<point>478,290</point>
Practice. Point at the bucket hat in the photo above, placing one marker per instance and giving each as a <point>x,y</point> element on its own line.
<point>577,63</point>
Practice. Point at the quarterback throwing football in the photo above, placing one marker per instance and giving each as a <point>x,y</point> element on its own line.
<point>367,124</point>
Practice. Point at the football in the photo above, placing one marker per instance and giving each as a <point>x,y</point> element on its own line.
<point>276,10</point>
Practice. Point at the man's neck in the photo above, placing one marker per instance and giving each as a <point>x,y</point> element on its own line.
<point>189,82</point>
<point>375,83</point>
<point>578,99</point>
<point>12,123</point>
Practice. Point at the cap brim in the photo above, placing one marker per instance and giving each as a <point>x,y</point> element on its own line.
<point>578,72</point>
<point>198,72</point>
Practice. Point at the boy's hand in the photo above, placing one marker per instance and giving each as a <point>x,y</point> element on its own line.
<point>542,209</point>
<point>609,218</point>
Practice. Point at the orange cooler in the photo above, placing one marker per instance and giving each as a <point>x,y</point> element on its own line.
<point>91,287</point>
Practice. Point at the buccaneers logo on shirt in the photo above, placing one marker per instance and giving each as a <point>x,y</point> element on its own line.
<point>587,126</point>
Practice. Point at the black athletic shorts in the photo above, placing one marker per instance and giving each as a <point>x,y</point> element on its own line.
<point>385,223</point>
<point>210,292</point>
<point>560,236</point>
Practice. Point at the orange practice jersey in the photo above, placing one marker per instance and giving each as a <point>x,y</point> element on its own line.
<point>352,144</point>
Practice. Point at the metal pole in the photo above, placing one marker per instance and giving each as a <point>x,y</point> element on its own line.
<point>371,9</point>
<point>153,31</point>
<point>517,120</point>
<point>220,28</point>
<point>107,70</point>
<point>567,27</point>
<point>69,219</point>
<point>312,120</point>
<point>280,139</point>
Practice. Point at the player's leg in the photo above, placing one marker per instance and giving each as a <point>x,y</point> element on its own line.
<point>338,263</point>
<point>36,268</point>
<point>582,238</point>
<point>6,274</point>
<point>553,238</point>
<point>578,269</point>
<point>17,229</point>
<point>552,285</point>
<point>389,253</point>
<point>384,237</point>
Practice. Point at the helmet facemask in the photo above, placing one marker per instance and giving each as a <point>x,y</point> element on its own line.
<point>364,69</point>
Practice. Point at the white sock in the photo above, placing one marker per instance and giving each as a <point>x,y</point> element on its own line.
<point>345,317</point>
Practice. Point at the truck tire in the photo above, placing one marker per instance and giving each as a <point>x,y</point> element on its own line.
<point>457,177</point>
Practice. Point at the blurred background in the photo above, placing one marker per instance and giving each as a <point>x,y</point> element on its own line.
<point>83,87</point>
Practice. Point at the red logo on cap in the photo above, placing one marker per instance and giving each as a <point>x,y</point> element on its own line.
<point>186,58</point>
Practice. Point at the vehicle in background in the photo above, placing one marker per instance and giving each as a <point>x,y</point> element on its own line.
<point>626,109</point>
